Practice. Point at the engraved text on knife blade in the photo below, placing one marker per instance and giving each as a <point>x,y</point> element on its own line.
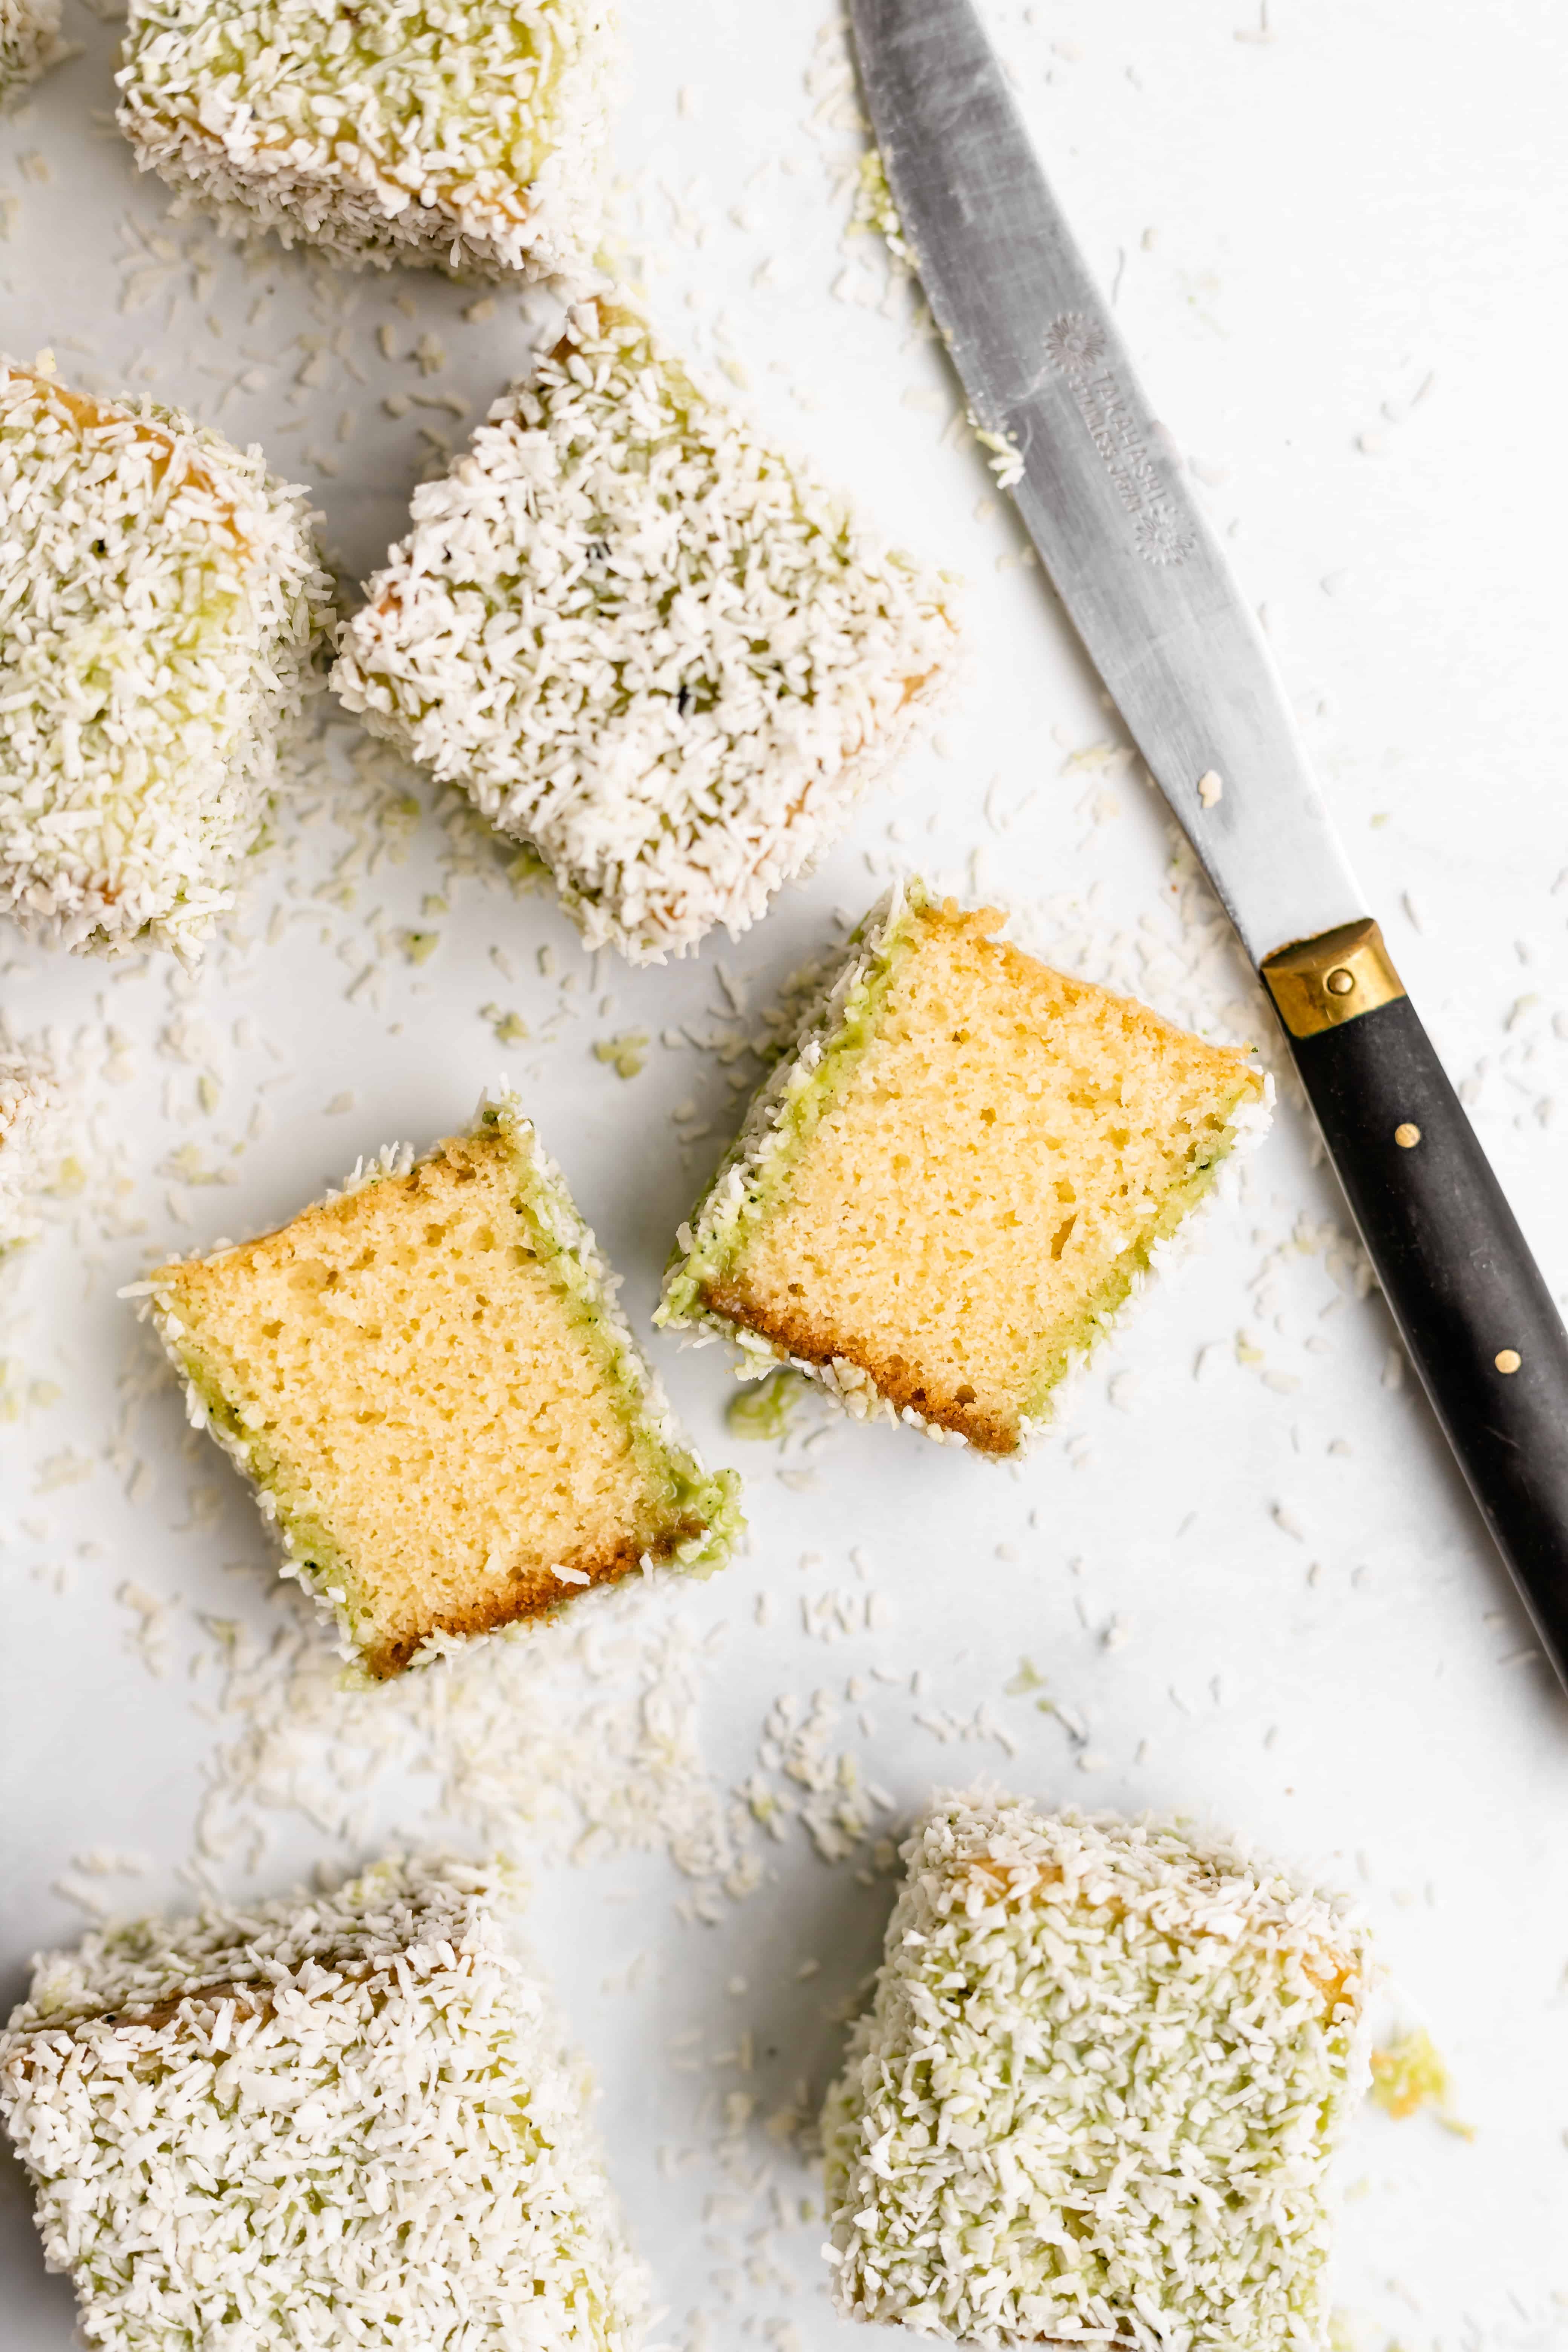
<point>1074,347</point>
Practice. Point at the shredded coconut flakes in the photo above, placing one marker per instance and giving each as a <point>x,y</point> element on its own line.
<point>161,605</point>
<point>467,135</point>
<point>325,2119</point>
<point>1097,2093</point>
<point>29,42</point>
<point>32,1140</point>
<point>645,643</point>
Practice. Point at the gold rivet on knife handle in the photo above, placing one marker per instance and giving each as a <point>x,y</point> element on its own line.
<point>1340,974</point>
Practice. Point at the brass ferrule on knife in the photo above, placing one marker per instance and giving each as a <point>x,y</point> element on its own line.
<point>1320,984</point>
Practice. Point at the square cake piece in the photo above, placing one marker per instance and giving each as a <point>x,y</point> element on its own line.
<point>32,1139</point>
<point>643,643</point>
<point>466,136</point>
<point>937,1204</point>
<point>1098,2092</point>
<point>161,605</point>
<point>441,1407</point>
<point>334,2119</point>
<point>29,44</point>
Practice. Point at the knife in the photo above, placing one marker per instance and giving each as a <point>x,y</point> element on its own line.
<point>1103,496</point>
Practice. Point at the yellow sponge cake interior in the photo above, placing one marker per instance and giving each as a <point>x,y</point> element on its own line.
<point>973,1164</point>
<point>427,1382</point>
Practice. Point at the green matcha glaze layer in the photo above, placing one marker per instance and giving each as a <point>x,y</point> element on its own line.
<point>1135,1262</point>
<point>755,1173</point>
<point>586,1284</point>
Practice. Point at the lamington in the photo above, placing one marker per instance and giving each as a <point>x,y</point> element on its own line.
<point>938,1201</point>
<point>643,643</point>
<point>334,2119</point>
<point>33,1127</point>
<point>441,1407</point>
<point>162,609</point>
<point>29,44</point>
<point>1097,2093</point>
<point>467,135</point>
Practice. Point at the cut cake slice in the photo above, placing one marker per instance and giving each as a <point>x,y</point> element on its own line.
<point>643,643</point>
<point>32,1139</point>
<point>469,137</point>
<point>938,1203</point>
<point>442,1409</point>
<point>1098,2092</point>
<point>337,2119</point>
<point>161,604</point>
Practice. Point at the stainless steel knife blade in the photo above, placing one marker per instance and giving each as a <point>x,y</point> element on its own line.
<point>1102,489</point>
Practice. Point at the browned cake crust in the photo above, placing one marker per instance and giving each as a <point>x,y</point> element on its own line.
<point>540,1597</point>
<point>946,1405</point>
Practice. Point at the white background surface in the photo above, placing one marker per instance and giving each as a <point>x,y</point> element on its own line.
<point>1338,258</point>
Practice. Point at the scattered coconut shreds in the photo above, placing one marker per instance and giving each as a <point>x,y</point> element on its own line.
<point>874,208</point>
<point>645,643</point>
<point>264,2119</point>
<point>474,134</point>
<point>32,1140</point>
<point>29,42</point>
<point>1098,2092</point>
<point>161,605</point>
<point>587,1745</point>
<point>575,1750</point>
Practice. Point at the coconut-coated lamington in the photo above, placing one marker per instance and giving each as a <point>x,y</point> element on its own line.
<point>1098,2092</point>
<point>161,607</point>
<point>644,643</point>
<point>464,134</point>
<point>29,44</point>
<point>330,2119</point>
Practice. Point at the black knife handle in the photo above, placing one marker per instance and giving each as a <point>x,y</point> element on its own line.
<point>1479,1323</point>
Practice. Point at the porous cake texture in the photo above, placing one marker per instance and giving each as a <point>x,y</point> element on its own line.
<point>33,1125</point>
<point>644,643</point>
<point>442,1409</point>
<point>29,42</point>
<point>938,1203</point>
<point>468,134</point>
<point>330,2120</point>
<point>161,605</point>
<point>1097,2093</point>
